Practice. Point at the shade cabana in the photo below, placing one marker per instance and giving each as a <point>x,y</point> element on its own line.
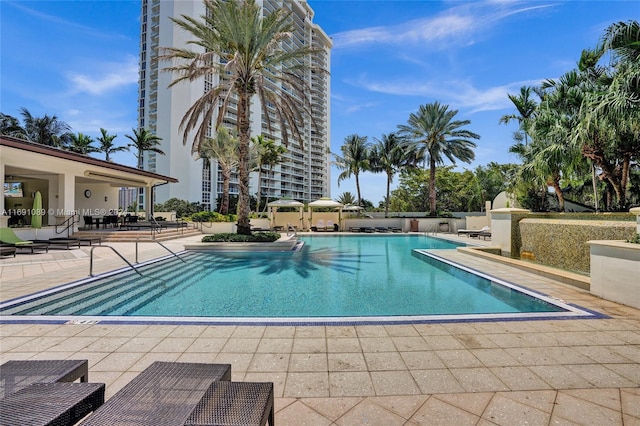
<point>285,202</point>
<point>323,203</point>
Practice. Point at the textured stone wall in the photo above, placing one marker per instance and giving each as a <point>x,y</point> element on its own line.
<point>561,242</point>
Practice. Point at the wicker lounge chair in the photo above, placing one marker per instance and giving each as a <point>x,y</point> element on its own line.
<point>59,404</point>
<point>16,375</point>
<point>166,393</point>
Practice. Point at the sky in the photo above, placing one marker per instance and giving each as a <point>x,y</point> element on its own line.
<point>78,60</point>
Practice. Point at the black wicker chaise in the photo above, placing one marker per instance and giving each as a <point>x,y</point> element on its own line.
<point>15,375</point>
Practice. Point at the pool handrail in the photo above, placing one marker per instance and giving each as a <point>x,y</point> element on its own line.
<point>116,252</point>
<point>291,230</point>
<point>164,247</point>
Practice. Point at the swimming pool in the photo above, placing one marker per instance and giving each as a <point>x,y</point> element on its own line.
<point>337,278</point>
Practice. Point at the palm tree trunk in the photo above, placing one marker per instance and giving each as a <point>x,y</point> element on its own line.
<point>226,178</point>
<point>358,188</point>
<point>595,186</point>
<point>244,136</point>
<point>386,204</point>
<point>259,189</point>
<point>432,186</point>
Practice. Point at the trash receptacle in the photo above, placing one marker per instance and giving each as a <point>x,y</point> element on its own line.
<point>414,225</point>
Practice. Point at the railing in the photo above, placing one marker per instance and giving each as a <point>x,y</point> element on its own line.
<point>432,229</point>
<point>164,247</point>
<point>116,252</point>
<point>291,230</point>
<point>67,223</point>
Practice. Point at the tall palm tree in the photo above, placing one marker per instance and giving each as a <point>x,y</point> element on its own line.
<point>143,140</point>
<point>107,146</point>
<point>234,41</point>
<point>269,154</point>
<point>223,149</point>
<point>526,107</point>
<point>388,155</point>
<point>81,143</point>
<point>436,134</point>
<point>355,159</point>
<point>47,130</point>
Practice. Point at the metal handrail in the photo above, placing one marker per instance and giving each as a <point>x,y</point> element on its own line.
<point>68,225</point>
<point>434,230</point>
<point>116,252</point>
<point>291,230</point>
<point>164,247</point>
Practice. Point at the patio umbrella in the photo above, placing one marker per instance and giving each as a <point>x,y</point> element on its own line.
<point>36,212</point>
<point>284,202</point>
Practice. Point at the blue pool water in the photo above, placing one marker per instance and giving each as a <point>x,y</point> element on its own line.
<point>332,276</point>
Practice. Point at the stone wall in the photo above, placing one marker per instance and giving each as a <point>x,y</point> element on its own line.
<point>560,240</point>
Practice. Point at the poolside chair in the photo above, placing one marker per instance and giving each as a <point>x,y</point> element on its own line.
<point>67,244</point>
<point>331,227</point>
<point>7,250</point>
<point>473,232</point>
<point>319,226</point>
<point>9,238</point>
<point>89,222</point>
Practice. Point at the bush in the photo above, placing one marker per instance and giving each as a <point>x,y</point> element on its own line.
<point>258,237</point>
<point>635,239</point>
<point>213,217</point>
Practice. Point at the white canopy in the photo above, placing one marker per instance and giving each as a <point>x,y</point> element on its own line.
<point>325,202</point>
<point>351,208</point>
<point>285,202</point>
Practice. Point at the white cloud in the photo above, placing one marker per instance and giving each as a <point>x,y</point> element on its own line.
<point>111,77</point>
<point>457,23</point>
<point>457,93</point>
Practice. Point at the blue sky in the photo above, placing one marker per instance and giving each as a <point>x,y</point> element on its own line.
<point>78,60</point>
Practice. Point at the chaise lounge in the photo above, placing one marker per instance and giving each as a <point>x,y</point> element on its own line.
<point>8,238</point>
<point>473,232</point>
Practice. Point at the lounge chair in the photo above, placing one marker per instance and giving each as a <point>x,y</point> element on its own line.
<point>9,238</point>
<point>55,243</point>
<point>7,250</point>
<point>473,232</point>
<point>16,375</point>
<point>82,240</point>
<point>331,227</point>
<point>319,226</point>
<point>89,222</point>
<point>165,393</point>
<point>395,229</point>
<point>484,235</point>
<point>382,229</point>
<point>60,404</point>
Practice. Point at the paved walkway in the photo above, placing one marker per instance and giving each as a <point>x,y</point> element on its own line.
<point>480,373</point>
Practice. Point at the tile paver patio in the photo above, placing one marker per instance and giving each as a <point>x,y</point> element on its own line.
<point>579,371</point>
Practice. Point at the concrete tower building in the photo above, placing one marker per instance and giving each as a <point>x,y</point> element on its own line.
<point>304,174</point>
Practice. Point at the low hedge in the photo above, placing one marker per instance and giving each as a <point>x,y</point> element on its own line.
<point>257,237</point>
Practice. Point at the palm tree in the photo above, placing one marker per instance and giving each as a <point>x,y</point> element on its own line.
<point>81,144</point>
<point>269,154</point>
<point>10,126</point>
<point>47,130</point>
<point>237,43</point>
<point>107,146</point>
<point>143,140</point>
<point>435,134</point>
<point>354,160</point>
<point>223,149</point>
<point>347,198</point>
<point>526,107</point>
<point>388,155</point>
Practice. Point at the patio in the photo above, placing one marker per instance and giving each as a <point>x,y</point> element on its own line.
<point>535,372</point>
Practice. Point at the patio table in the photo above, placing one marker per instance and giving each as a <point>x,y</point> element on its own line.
<point>15,375</point>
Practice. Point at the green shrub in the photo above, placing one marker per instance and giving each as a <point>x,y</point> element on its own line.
<point>635,239</point>
<point>213,217</point>
<point>258,237</point>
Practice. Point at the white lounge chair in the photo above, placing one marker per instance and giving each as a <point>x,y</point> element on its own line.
<point>473,232</point>
<point>319,226</point>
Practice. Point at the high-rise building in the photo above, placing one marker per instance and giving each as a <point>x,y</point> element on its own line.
<point>303,175</point>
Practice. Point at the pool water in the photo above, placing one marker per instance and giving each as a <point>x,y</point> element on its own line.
<point>332,276</point>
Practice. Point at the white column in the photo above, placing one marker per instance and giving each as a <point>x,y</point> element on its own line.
<point>4,217</point>
<point>636,211</point>
<point>501,228</point>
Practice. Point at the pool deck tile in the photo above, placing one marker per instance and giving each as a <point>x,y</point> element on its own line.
<point>576,371</point>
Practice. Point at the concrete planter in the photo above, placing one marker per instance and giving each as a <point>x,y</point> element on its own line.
<point>217,227</point>
<point>615,268</point>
